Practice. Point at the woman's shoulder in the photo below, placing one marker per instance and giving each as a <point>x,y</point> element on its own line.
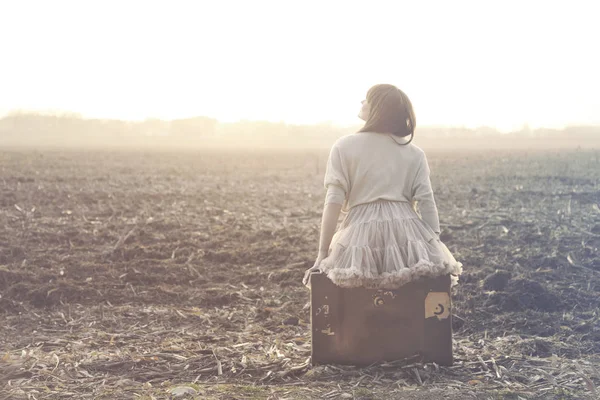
<point>362,139</point>
<point>358,138</point>
<point>417,149</point>
<point>348,140</point>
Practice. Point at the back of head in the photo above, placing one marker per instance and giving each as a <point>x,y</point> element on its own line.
<point>390,111</point>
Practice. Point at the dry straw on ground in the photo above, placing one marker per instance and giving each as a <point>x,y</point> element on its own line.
<point>149,275</point>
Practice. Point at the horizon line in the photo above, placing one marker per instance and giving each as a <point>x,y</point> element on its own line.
<point>74,114</point>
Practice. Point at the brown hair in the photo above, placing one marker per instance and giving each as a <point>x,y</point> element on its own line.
<point>390,112</point>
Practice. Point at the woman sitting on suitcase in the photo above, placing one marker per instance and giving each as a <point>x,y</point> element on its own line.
<point>380,178</point>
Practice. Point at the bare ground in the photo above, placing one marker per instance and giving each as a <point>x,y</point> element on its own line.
<point>149,275</point>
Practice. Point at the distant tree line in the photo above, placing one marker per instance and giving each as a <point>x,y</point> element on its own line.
<point>68,124</point>
<point>73,124</point>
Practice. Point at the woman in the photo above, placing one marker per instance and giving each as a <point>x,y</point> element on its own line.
<point>379,177</point>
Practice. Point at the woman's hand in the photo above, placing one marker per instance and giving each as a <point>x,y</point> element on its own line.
<point>315,267</point>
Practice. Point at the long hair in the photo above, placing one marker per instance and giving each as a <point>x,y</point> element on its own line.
<point>390,112</point>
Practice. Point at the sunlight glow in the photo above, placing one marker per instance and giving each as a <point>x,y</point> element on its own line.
<point>471,63</point>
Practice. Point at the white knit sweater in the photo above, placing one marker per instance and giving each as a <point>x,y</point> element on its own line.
<point>366,167</point>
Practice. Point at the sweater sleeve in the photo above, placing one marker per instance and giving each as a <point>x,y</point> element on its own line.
<point>336,178</point>
<point>423,194</point>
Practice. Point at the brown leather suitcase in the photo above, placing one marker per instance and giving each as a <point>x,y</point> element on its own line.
<point>361,326</point>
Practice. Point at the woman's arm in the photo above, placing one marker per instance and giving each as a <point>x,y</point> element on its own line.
<point>423,194</point>
<point>336,184</point>
<point>429,214</point>
<point>331,213</point>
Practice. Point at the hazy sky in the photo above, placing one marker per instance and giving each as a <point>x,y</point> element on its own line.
<point>496,63</point>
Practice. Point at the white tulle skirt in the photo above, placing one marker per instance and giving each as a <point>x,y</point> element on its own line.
<point>385,245</point>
